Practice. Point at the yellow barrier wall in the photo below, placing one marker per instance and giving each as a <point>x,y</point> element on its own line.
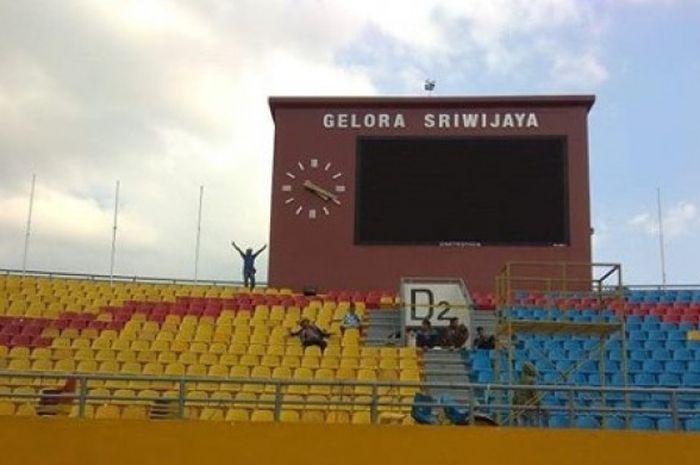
<point>74,442</point>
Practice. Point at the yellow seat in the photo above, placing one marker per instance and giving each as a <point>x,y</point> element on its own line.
<point>188,358</point>
<point>301,374</point>
<point>105,355</point>
<point>262,416</point>
<point>134,412</point>
<point>256,349</point>
<point>107,412</point>
<point>167,357</point>
<point>237,415</point>
<point>361,418</point>
<point>64,365</point>
<point>7,408</point>
<point>175,369</point>
<point>330,362</point>
<point>42,365</point>
<point>368,362</point>
<point>352,363</point>
<point>212,413</point>
<point>228,360</point>
<point>126,356</point>
<point>238,348</point>
<point>291,361</point>
<point>259,372</point>
<point>25,410</point>
<point>337,416</point>
<point>271,361</point>
<point>365,374</point>
<point>289,416</point>
<point>245,400</point>
<point>41,353</point>
<point>322,374</point>
<point>146,356</point>
<point>249,360</point>
<point>160,346</point>
<point>310,361</point>
<point>209,359</point>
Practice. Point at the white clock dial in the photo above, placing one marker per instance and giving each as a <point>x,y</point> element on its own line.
<point>313,188</point>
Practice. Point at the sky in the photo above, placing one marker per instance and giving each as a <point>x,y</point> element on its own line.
<point>170,95</point>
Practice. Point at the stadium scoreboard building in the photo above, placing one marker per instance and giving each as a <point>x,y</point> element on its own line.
<point>371,189</point>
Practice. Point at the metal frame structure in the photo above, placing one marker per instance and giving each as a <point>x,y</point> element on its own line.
<point>561,278</point>
<point>184,385</point>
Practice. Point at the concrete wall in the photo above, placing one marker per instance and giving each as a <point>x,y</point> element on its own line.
<point>71,441</point>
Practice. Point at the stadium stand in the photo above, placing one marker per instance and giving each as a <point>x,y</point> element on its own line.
<point>663,352</point>
<point>71,326</point>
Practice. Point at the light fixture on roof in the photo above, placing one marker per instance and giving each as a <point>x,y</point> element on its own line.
<point>429,86</point>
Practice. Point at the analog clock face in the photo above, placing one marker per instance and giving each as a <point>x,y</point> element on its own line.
<point>313,188</point>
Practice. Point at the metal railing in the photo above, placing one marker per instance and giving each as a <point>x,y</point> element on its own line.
<point>378,398</point>
<point>123,278</point>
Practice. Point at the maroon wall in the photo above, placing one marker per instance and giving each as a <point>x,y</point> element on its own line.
<point>320,251</point>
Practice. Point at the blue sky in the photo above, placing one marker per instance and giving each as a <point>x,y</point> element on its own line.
<point>168,95</point>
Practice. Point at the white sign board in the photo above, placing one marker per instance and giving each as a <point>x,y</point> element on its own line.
<point>437,301</point>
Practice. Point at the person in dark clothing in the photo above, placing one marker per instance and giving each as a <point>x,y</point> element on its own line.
<point>310,335</point>
<point>456,335</point>
<point>426,337</point>
<point>248,264</point>
<point>482,341</point>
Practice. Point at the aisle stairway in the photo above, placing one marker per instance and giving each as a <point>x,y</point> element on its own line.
<point>443,366</point>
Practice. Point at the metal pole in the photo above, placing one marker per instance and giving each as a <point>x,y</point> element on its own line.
<point>199,233</point>
<point>114,233</point>
<point>661,238</point>
<point>29,226</point>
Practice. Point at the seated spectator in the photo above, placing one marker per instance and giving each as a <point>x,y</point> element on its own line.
<point>351,320</point>
<point>456,335</point>
<point>311,335</point>
<point>426,337</point>
<point>482,341</point>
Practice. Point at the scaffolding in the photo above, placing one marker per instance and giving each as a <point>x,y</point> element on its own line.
<point>548,285</point>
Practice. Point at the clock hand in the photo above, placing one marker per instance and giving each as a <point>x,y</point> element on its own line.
<point>322,193</point>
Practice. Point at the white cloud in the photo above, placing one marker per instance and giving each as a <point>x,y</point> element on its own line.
<point>168,95</point>
<point>679,220</point>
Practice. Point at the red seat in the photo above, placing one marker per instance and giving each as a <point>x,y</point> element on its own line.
<point>671,318</point>
<point>99,325</point>
<point>21,340</point>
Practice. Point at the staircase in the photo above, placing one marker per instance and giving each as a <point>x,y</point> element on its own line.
<point>381,323</point>
<point>443,366</point>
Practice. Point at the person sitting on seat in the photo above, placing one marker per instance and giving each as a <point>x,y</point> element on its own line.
<point>426,337</point>
<point>456,335</point>
<point>310,335</point>
<point>482,341</point>
<point>351,320</point>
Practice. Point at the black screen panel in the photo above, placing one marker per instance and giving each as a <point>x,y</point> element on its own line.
<point>480,191</point>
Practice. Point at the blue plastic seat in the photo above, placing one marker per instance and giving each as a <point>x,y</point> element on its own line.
<point>691,379</point>
<point>558,421</point>
<point>642,423</point>
<point>638,336</point>
<point>639,355</point>
<point>658,335</point>
<point>557,354</point>
<point>644,379</point>
<point>481,364</point>
<point>682,354</point>
<point>572,344</point>
<point>564,365</point>
<point>652,344</point>
<point>675,366</point>
<point>614,423</point>
<point>652,366</point>
<point>669,379</point>
<point>586,422</point>
<point>661,354</point>
<point>674,344</point>
<point>589,366</point>
<point>693,424</point>
<point>485,377</point>
<point>694,366</point>
<point>664,424</point>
